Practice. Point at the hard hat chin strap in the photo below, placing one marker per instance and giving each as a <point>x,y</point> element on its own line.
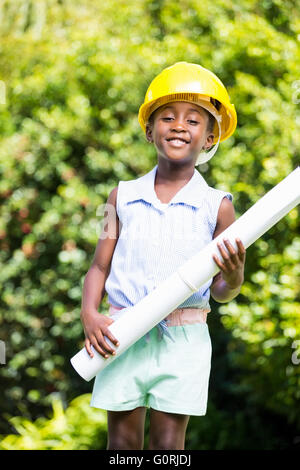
<point>203,157</point>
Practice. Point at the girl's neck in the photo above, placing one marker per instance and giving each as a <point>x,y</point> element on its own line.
<point>168,181</point>
<point>168,173</point>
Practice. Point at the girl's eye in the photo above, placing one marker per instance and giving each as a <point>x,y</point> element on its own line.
<point>169,118</point>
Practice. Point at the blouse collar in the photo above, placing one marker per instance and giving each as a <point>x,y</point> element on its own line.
<point>191,193</point>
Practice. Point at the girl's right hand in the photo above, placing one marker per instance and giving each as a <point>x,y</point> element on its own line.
<point>95,327</point>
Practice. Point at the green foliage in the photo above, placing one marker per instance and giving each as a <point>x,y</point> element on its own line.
<point>74,79</point>
<point>79,427</point>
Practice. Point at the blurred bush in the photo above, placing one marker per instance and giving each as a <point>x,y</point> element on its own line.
<point>72,80</point>
<point>79,427</point>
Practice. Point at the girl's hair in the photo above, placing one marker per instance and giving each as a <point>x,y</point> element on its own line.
<point>211,119</point>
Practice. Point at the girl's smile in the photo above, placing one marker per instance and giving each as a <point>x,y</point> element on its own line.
<point>177,142</point>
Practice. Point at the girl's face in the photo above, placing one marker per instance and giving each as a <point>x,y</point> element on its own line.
<point>179,131</point>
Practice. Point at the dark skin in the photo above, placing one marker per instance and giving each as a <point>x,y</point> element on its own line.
<point>176,163</point>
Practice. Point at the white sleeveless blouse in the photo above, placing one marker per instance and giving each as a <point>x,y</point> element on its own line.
<point>156,238</point>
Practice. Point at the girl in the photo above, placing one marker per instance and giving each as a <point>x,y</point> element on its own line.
<point>155,223</point>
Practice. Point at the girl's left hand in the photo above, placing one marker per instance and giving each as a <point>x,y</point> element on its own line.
<point>232,269</point>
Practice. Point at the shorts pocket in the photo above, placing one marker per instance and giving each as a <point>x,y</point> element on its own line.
<point>190,340</point>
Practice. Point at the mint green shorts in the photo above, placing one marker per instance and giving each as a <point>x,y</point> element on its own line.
<point>160,374</point>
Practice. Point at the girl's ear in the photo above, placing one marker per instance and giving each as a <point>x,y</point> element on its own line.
<point>149,133</point>
<point>209,141</point>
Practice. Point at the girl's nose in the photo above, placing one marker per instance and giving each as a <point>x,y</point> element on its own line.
<point>178,124</point>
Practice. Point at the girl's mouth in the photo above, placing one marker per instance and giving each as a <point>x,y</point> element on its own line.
<point>177,142</point>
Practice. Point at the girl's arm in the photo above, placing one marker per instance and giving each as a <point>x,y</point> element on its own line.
<point>227,282</point>
<point>95,324</point>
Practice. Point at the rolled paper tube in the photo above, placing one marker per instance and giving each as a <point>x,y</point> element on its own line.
<point>136,321</point>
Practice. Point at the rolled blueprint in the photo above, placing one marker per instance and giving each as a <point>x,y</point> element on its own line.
<point>136,321</point>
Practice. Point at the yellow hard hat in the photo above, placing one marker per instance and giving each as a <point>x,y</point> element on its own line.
<point>184,81</point>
